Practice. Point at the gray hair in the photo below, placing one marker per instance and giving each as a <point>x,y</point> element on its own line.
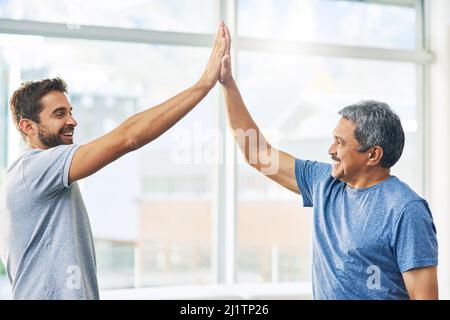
<point>377,125</point>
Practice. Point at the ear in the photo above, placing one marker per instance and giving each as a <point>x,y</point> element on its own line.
<point>374,155</point>
<point>28,127</point>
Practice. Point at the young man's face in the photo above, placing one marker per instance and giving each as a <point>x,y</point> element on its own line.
<point>348,162</point>
<point>56,124</point>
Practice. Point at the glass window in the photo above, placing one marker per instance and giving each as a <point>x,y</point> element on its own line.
<point>152,225</point>
<point>5,292</point>
<point>294,100</point>
<point>164,15</point>
<point>335,22</point>
<point>3,115</point>
<point>4,285</point>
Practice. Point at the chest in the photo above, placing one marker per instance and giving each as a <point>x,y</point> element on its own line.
<point>355,224</point>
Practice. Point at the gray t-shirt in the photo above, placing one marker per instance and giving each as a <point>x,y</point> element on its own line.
<point>46,241</point>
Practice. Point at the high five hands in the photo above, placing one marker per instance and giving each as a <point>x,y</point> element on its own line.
<point>218,67</point>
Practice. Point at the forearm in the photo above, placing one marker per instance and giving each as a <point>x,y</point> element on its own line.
<point>243,124</point>
<point>148,125</point>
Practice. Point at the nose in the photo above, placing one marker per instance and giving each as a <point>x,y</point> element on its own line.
<point>332,149</point>
<point>71,121</point>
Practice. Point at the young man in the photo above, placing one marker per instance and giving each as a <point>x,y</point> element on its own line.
<point>46,242</point>
<point>374,237</point>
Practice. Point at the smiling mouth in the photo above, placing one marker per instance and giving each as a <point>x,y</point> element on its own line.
<point>336,161</point>
<point>67,133</point>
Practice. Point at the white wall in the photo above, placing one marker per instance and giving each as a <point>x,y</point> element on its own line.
<point>437,114</point>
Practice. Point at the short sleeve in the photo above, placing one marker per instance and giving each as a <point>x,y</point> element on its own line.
<point>416,242</point>
<point>47,171</point>
<point>308,175</point>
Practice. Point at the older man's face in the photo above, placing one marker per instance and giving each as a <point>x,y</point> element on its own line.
<point>348,162</point>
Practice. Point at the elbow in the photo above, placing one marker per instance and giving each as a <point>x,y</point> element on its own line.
<point>259,157</point>
<point>129,140</point>
<point>131,145</point>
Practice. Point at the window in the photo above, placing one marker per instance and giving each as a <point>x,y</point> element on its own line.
<point>154,211</point>
<point>3,116</point>
<point>4,285</point>
<point>357,23</point>
<point>3,157</point>
<point>165,15</point>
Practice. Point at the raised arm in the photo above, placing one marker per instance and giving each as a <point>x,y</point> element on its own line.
<point>276,165</point>
<point>148,125</point>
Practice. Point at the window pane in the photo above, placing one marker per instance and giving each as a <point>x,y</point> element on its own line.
<point>166,15</point>
<point>150,210</point>
<point>337,22</point>
<point>294,100</point>
<point>3,114</point>
<point>5,290</point>
<point>4,285</point>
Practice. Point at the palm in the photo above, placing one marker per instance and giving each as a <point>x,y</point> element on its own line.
<point>225,70</point>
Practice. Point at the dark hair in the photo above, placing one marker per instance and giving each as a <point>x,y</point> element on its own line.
<point>377,125</point>
<point>26,103</point>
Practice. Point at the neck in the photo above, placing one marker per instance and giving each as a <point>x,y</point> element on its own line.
<point>368,180</point>
<point>36,144</point>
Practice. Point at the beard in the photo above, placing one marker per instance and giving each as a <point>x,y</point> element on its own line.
<point>51,140</point>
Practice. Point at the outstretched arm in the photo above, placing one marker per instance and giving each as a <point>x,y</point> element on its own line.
<point>148,125</point>
<point>277,165</point>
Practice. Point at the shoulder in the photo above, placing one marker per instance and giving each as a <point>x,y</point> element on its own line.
<point>55,151</point>
<point>401,192</point>
<point>48,156</point>
<point>312,168</point>
<point>400,195</point>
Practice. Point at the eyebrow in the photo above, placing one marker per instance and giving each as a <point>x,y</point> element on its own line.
<point>60,109</point>
<point>338,137</point>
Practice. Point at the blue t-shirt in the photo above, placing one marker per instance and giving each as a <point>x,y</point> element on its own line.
<point>364,239</point>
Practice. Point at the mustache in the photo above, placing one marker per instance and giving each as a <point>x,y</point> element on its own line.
<point>334,158</point>
<point>67,128</point>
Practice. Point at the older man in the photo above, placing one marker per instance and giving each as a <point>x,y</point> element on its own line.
<point>374,237</point>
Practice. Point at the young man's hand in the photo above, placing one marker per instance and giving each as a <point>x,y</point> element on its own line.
<point>212,70</point>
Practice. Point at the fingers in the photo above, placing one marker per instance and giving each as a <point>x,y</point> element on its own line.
<point>219,35</point>
<point>228,39</point>
<point>222,47</point>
